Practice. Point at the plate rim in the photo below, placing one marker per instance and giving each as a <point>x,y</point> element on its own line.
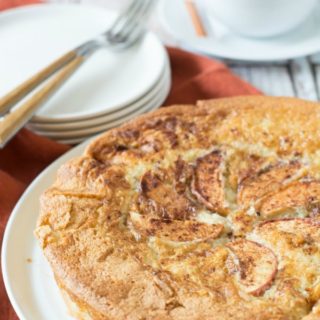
<point>78,150</point>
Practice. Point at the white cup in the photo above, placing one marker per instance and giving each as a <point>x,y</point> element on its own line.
<point>261,18</point>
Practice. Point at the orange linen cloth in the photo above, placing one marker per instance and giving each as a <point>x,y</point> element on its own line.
<point>193,77</point>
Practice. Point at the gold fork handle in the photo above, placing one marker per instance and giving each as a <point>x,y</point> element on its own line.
<point>17,118</point>
<point>23,89</point>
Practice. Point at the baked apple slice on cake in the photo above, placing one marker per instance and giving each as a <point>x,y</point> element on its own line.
<point>159,196</point>
<point>268,180</point>
<point>254,265</point>
<point>297,194</point>
<point>296,241</point>
<point>207,184</point>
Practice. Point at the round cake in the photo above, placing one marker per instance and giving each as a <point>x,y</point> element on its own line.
<point>206,211</point>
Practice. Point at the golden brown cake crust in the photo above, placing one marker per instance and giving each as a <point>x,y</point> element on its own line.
<point>192,212</point>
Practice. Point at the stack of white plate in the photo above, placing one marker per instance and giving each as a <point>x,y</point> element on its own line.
<point>109,89</point>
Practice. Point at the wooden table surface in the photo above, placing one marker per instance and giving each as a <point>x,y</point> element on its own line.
<point>298,77</point>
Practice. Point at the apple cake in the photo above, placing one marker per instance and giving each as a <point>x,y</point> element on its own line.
<point>206,211</point>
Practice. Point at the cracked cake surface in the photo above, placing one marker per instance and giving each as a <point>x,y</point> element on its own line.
<point>206,211</point>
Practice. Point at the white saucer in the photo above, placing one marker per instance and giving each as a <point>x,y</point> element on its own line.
<point>83,133</point>
<point>30,285</point>
<point>223,43</point>
<point>33,36</point>
<point>109,117</point>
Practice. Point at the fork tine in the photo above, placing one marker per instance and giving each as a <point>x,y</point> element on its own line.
<point>130,8</point>
<point>129,15</point>
<point>149,9</point>
<point>134,21</point>
<point>132,38</point>
<point>116,35</point>
<point>134,26</point>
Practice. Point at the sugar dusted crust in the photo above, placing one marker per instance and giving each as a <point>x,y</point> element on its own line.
<point>192,212</point>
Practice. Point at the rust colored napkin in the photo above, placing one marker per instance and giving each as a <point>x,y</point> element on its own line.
<point>193,77</point>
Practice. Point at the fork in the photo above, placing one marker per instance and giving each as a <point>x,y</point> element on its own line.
<point>126,30</point>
